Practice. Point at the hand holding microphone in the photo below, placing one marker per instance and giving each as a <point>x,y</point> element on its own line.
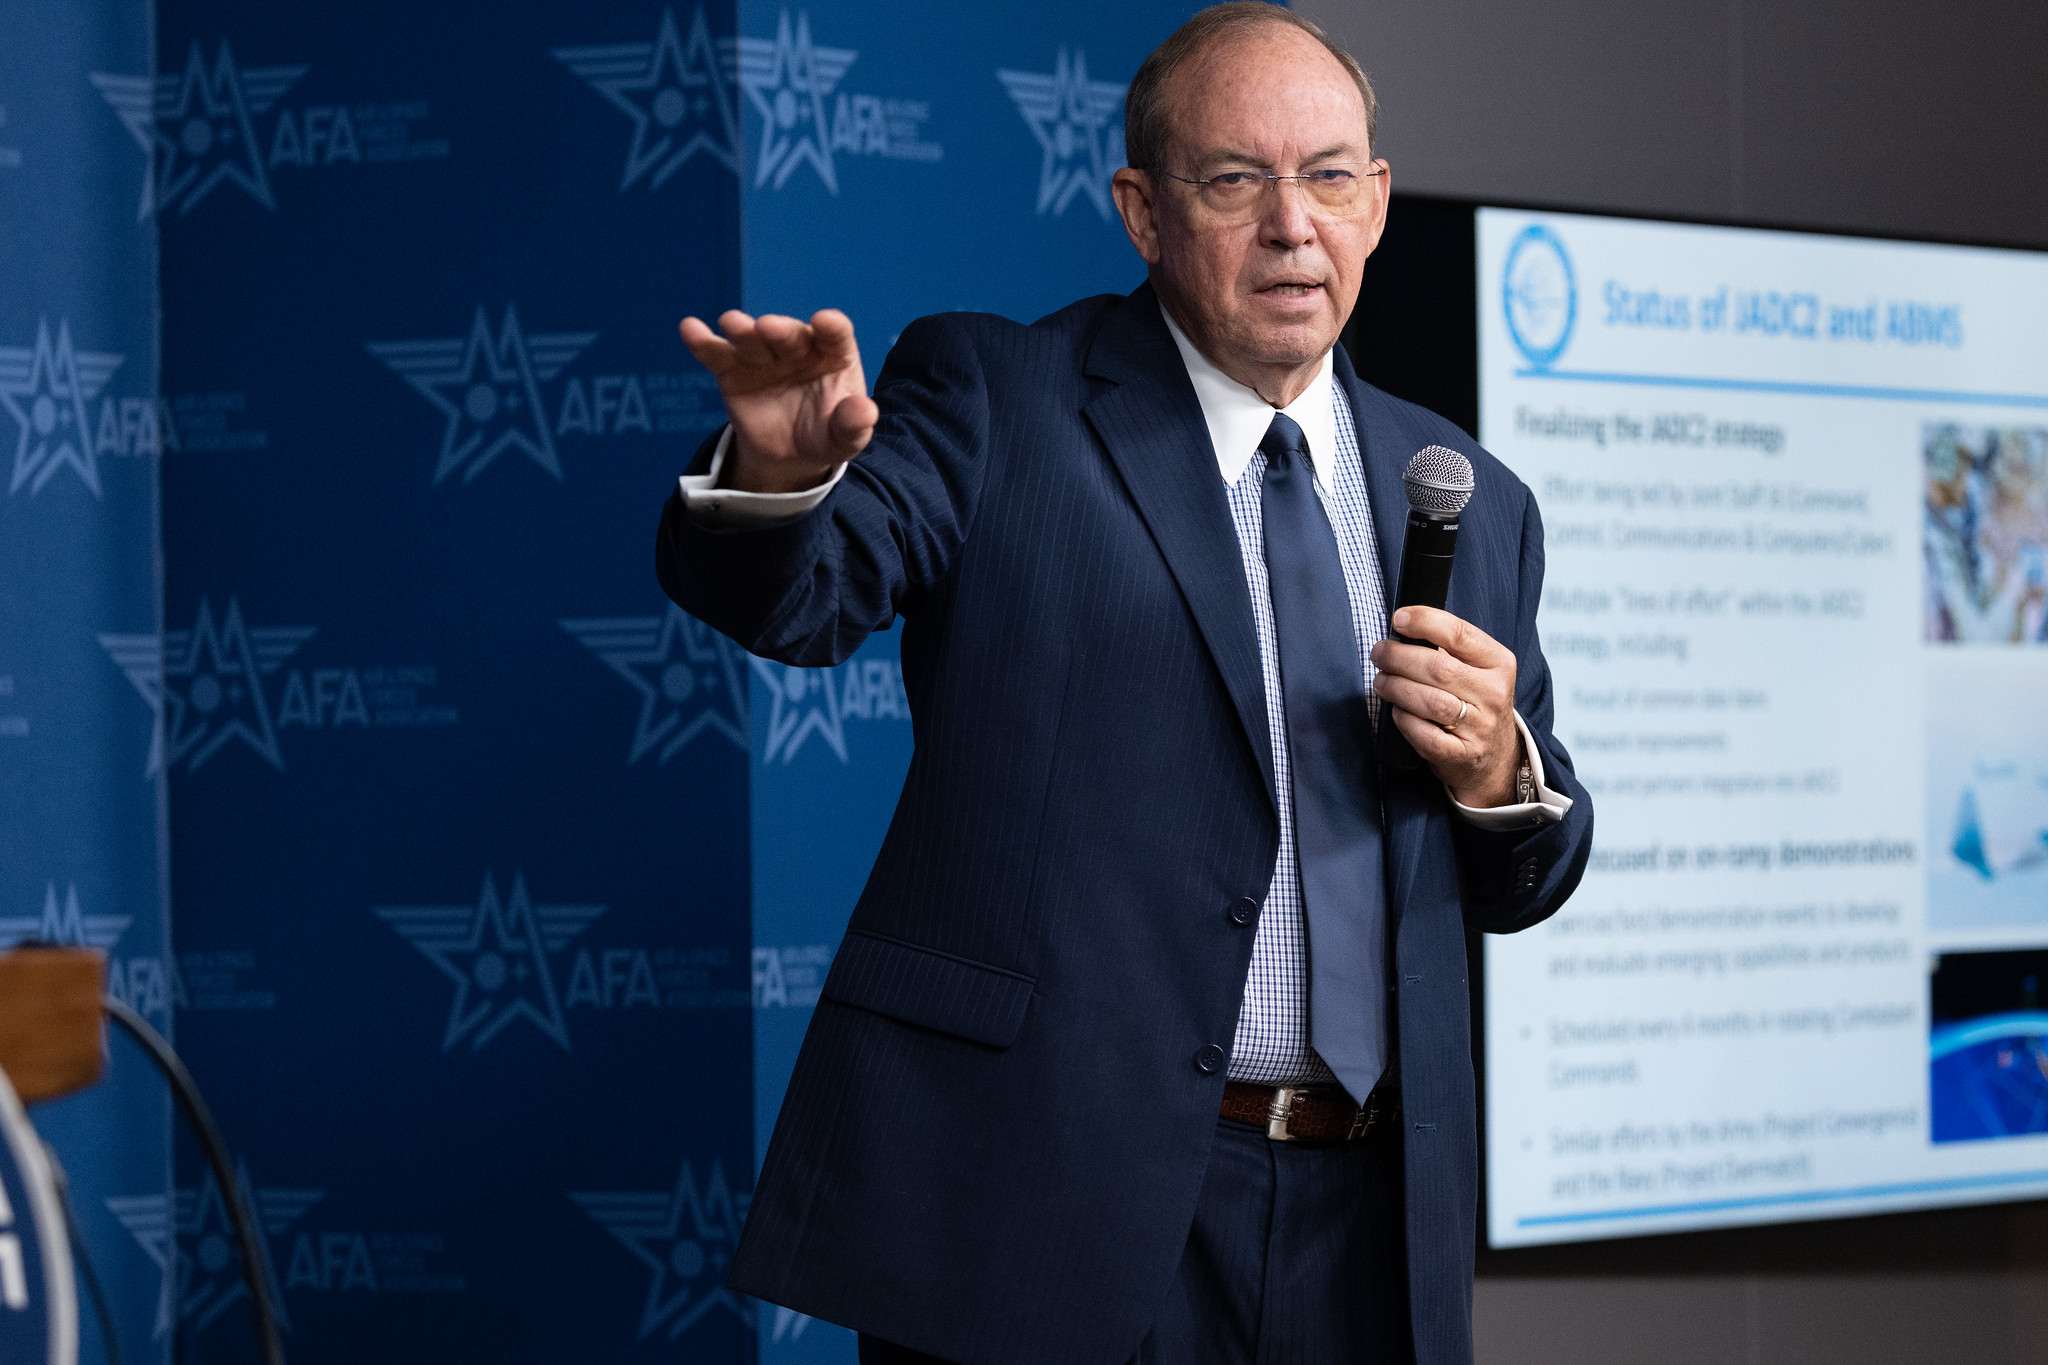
<point>1450,686</point>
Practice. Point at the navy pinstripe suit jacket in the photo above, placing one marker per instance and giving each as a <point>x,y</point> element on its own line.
<point>993,1141</point>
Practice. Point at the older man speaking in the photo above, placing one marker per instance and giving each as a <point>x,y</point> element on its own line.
<point>1149,1039</point>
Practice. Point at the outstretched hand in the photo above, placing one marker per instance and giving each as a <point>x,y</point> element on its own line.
<point>1454,701</point>
<point>794,391</point>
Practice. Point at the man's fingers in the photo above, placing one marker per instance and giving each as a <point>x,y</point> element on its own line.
<point>1426,664</point>
<point>745,335</point>
<point>713,351</point>
<point>1421,700</point>
<point>852,425</point>
<point>786,338</point>
<point>1430,742</point>
<point>1462,639</point>
<point>832,334</point>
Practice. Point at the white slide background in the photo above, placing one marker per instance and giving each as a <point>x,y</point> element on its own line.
<point>1728,433</point>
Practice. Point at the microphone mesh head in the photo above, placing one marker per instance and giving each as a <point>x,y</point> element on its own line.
<point>1439,481</point>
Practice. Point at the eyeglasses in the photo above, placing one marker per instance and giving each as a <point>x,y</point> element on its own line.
<point>1244,196</point>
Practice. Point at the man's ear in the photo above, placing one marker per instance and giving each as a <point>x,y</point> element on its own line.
<point>1134,201</point>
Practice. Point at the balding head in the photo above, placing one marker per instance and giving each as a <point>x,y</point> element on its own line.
<point>1252,192</point>
<point>1148,114</point>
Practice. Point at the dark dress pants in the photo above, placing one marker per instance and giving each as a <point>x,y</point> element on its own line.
<point>1295,1258</point>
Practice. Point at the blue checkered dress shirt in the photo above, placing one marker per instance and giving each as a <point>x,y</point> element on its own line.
<point>1272,1046</point>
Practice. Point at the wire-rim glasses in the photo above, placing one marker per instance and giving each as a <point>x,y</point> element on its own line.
<point>1243,195</point>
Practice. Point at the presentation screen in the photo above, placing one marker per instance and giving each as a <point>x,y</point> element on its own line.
<point>1795,500</point>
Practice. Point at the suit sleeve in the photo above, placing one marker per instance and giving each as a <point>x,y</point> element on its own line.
<point>1511,879</point>
<point>810,591</point>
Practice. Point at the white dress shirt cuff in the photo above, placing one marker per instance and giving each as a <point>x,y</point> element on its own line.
<point>1549,806</point>
<point>737,510</point>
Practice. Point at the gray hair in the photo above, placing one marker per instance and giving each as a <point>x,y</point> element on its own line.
<point>1145,121</point>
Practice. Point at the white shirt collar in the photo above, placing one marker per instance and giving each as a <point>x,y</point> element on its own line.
<point>1238,417</point>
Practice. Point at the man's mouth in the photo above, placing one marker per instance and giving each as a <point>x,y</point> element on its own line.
<point>1291,289</point>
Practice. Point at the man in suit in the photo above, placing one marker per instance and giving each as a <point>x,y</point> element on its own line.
<point>1149,1039</point>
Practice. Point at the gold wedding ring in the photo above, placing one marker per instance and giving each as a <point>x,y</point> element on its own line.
<point>1463,707</point>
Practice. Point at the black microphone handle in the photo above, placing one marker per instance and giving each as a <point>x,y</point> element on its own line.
<point>1426,555</point>
<point>1425,565</point>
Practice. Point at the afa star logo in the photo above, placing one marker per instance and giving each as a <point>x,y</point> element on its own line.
<point>677,92</point>
<point>488,390</point>
<point>787,79</point>
<point>1070,116</point>
<point>63,927</point>
<point>44,389</point>
<point>195,127</point>
<point>141,982</point>
<point>692,681</point>
<point>685,1237</point>
<point>819,701</point>
<point>196,1251</point>
<point>499,955</point>
<point>206,685</point>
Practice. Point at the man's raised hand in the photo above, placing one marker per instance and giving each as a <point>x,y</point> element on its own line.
<point>795,393</point>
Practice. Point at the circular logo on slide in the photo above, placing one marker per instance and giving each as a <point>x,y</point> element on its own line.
<point>1539,295</point>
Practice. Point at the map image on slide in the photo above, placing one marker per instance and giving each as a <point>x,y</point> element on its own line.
<point>1986,534</point>
<point>1988,1049</point>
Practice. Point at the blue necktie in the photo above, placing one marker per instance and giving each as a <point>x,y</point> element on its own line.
<point>1336,790</point>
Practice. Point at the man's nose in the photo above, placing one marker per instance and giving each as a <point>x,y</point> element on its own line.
<point>1287,223</point>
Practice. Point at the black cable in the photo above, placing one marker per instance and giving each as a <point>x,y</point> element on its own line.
<point>87,1276</point>
<point>262,1294</point>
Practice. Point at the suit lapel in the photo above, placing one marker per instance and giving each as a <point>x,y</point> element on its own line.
<point>1151,422</point>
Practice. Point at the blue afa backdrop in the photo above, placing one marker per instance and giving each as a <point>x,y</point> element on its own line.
<point>499,891</point>
<point>82,838</point>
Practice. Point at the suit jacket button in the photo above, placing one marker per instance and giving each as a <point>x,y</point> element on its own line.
<point>1243,911</point>
<point>1209,1060</point>
<point>1528,870</point>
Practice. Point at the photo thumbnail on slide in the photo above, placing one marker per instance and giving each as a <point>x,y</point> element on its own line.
<point>1989,1045</point>
<point>1986,534</point>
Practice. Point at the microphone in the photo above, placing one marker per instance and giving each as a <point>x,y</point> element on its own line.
<point>1438,482</point>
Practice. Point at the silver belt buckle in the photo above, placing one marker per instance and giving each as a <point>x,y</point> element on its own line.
<point>1279,1112</point>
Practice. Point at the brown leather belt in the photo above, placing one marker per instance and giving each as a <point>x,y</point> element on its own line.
<point>1307,1114</point>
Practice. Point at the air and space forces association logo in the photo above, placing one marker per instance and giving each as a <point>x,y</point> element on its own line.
<point>207,686</point>
<point>44,390</point>
<point>685,1237</point>
<point>500,957</point>
<point>141,981</point>
<point>487,387</point>
<point>1539,295</point>
<point>684,94</point>
<point>204,127</point>
<point>677,91</point>
<point>192,1243</point>
<point>792,83</point>
<point>1071,116</point>
<point>691,680</point>
<point>501,390</point>
<point>216,685</point>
